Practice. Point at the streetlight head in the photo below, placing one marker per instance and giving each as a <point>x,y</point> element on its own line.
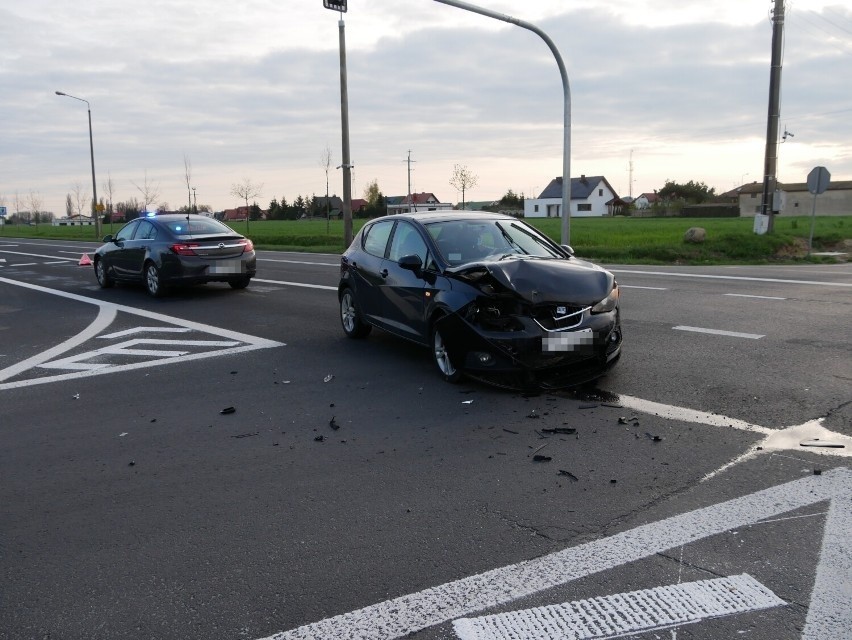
<point>59,93</point>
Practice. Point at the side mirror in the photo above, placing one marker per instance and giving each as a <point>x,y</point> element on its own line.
<point>412,263</point>
<point>107,238</point>
<point>568,249</point>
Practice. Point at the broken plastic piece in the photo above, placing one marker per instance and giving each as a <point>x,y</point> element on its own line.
<point>541,458</point>
<point>654,438</point>
<point>568,474</point>
<point>247,435</point>
<point>622,420</point>
<point>333,424</point>
<point>816,442</point>
<point>319,439</point>
<point>228,410</point>
<point>467,401</point>
<point>560,430</point>
<point>328,378</point>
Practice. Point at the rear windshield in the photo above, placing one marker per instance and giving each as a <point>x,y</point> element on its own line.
<point>198,227</point>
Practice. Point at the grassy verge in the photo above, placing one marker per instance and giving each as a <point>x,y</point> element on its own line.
<point>621,240</point>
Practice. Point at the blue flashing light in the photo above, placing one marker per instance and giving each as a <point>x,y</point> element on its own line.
<point>178,228</point>
<point>151,214</point>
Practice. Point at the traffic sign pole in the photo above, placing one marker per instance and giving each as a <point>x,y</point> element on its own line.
<point>818,181</point>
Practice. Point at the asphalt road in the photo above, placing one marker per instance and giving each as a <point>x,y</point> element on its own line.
<point>353,494</point>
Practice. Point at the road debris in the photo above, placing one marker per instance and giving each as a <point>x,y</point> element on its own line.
<point>816,442</point>
<point>541,458</point>
<point>228,410</point>
<point>567,431</point>
<point>654,438</point>
<point>319,439</point>
<point>467,401</point>
<point>533,415</point>
<point>76,396</point>
<point>333,424</point>
<point>568,474</point>
<point>510,431</point>
<point>247,435</point>
<point>121,435</point>
<point>328,378</point>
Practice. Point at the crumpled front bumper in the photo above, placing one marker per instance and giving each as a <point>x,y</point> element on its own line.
<point>550,359</point>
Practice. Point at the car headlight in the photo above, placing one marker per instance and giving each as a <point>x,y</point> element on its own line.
<point>609,303</point>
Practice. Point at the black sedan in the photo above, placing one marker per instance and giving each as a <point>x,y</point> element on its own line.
<point>490,295</point>
<point>175,249</point>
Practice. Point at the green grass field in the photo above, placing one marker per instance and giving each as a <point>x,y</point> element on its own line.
<point>614,240</point>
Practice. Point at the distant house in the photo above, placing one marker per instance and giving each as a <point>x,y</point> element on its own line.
<point>796,200</point>
<point>416,202</point>
<point>646,201</point>
<point>73,221</point>
<point>591,196</point>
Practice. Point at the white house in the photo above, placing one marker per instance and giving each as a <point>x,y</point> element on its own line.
<point>591,196</point>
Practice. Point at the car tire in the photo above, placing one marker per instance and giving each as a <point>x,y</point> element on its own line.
<point>153,282</point>
<point>441,357</point>
<point>104,279</point>
<point>350,317</point>
<point>240,283</point>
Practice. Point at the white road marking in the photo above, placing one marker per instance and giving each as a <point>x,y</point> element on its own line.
<point>631,286</point>
<point>829,613</point>
<point>720,332</point>
<point>296,284</point>
<point>75,362</point>
<point>318,264</point>
<point>744,295</point>
<point>130,332</point>
<point>55,262</point>
<point>37,255</point>
<point>682,414</point>
<point>742,278</point>
<point>24,264</point>
<point>106,314</point>
<point>626,613</point>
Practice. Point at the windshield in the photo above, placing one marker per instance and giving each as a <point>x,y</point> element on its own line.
<point>463,241</point>
<point>198,227</point>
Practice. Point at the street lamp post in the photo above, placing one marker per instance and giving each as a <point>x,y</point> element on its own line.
<point>566,90</point>
<point>92,153</point>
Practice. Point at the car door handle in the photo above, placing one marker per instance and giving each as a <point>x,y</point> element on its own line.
<point>384,273</point>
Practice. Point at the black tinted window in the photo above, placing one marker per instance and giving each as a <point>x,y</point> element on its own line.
<point>126,232</point>
<point>376,238</point>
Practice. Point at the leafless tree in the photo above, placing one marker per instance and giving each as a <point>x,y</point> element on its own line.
<point>187,174</point>
<point>325,163</point>
<point>246,190</point>
<point>149,191</point>
<point>108,188</point>
<point>81,198</point>
<point>463,179</point>
<point>35,201</point>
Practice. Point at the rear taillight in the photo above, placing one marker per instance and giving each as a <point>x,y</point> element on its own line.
<point>247,245</point>
<point>184,249</point>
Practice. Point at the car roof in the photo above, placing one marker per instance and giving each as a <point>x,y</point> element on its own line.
<point>446,216</point>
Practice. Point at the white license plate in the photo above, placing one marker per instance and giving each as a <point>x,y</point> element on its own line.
<point>226,266</point>
<point>568,340</point>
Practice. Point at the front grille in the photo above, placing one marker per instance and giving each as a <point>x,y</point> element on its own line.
<point>557,317</point>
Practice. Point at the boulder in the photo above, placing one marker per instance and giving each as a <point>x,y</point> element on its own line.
<point>695,235</point>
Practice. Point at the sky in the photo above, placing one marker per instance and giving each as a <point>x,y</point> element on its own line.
<point>678,90</point>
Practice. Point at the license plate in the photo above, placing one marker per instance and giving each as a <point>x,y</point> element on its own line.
<point>568,341</point>
<point>227,266</point>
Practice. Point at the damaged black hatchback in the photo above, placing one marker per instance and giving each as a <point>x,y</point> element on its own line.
<point>492,297</point>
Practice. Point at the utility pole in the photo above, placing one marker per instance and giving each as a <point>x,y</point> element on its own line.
<point>194,201</point>
<point>770,173</point>
<point>409,161</point>
<point>630,178</point>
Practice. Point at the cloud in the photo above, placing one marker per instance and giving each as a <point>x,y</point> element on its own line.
<point>253,91</point>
